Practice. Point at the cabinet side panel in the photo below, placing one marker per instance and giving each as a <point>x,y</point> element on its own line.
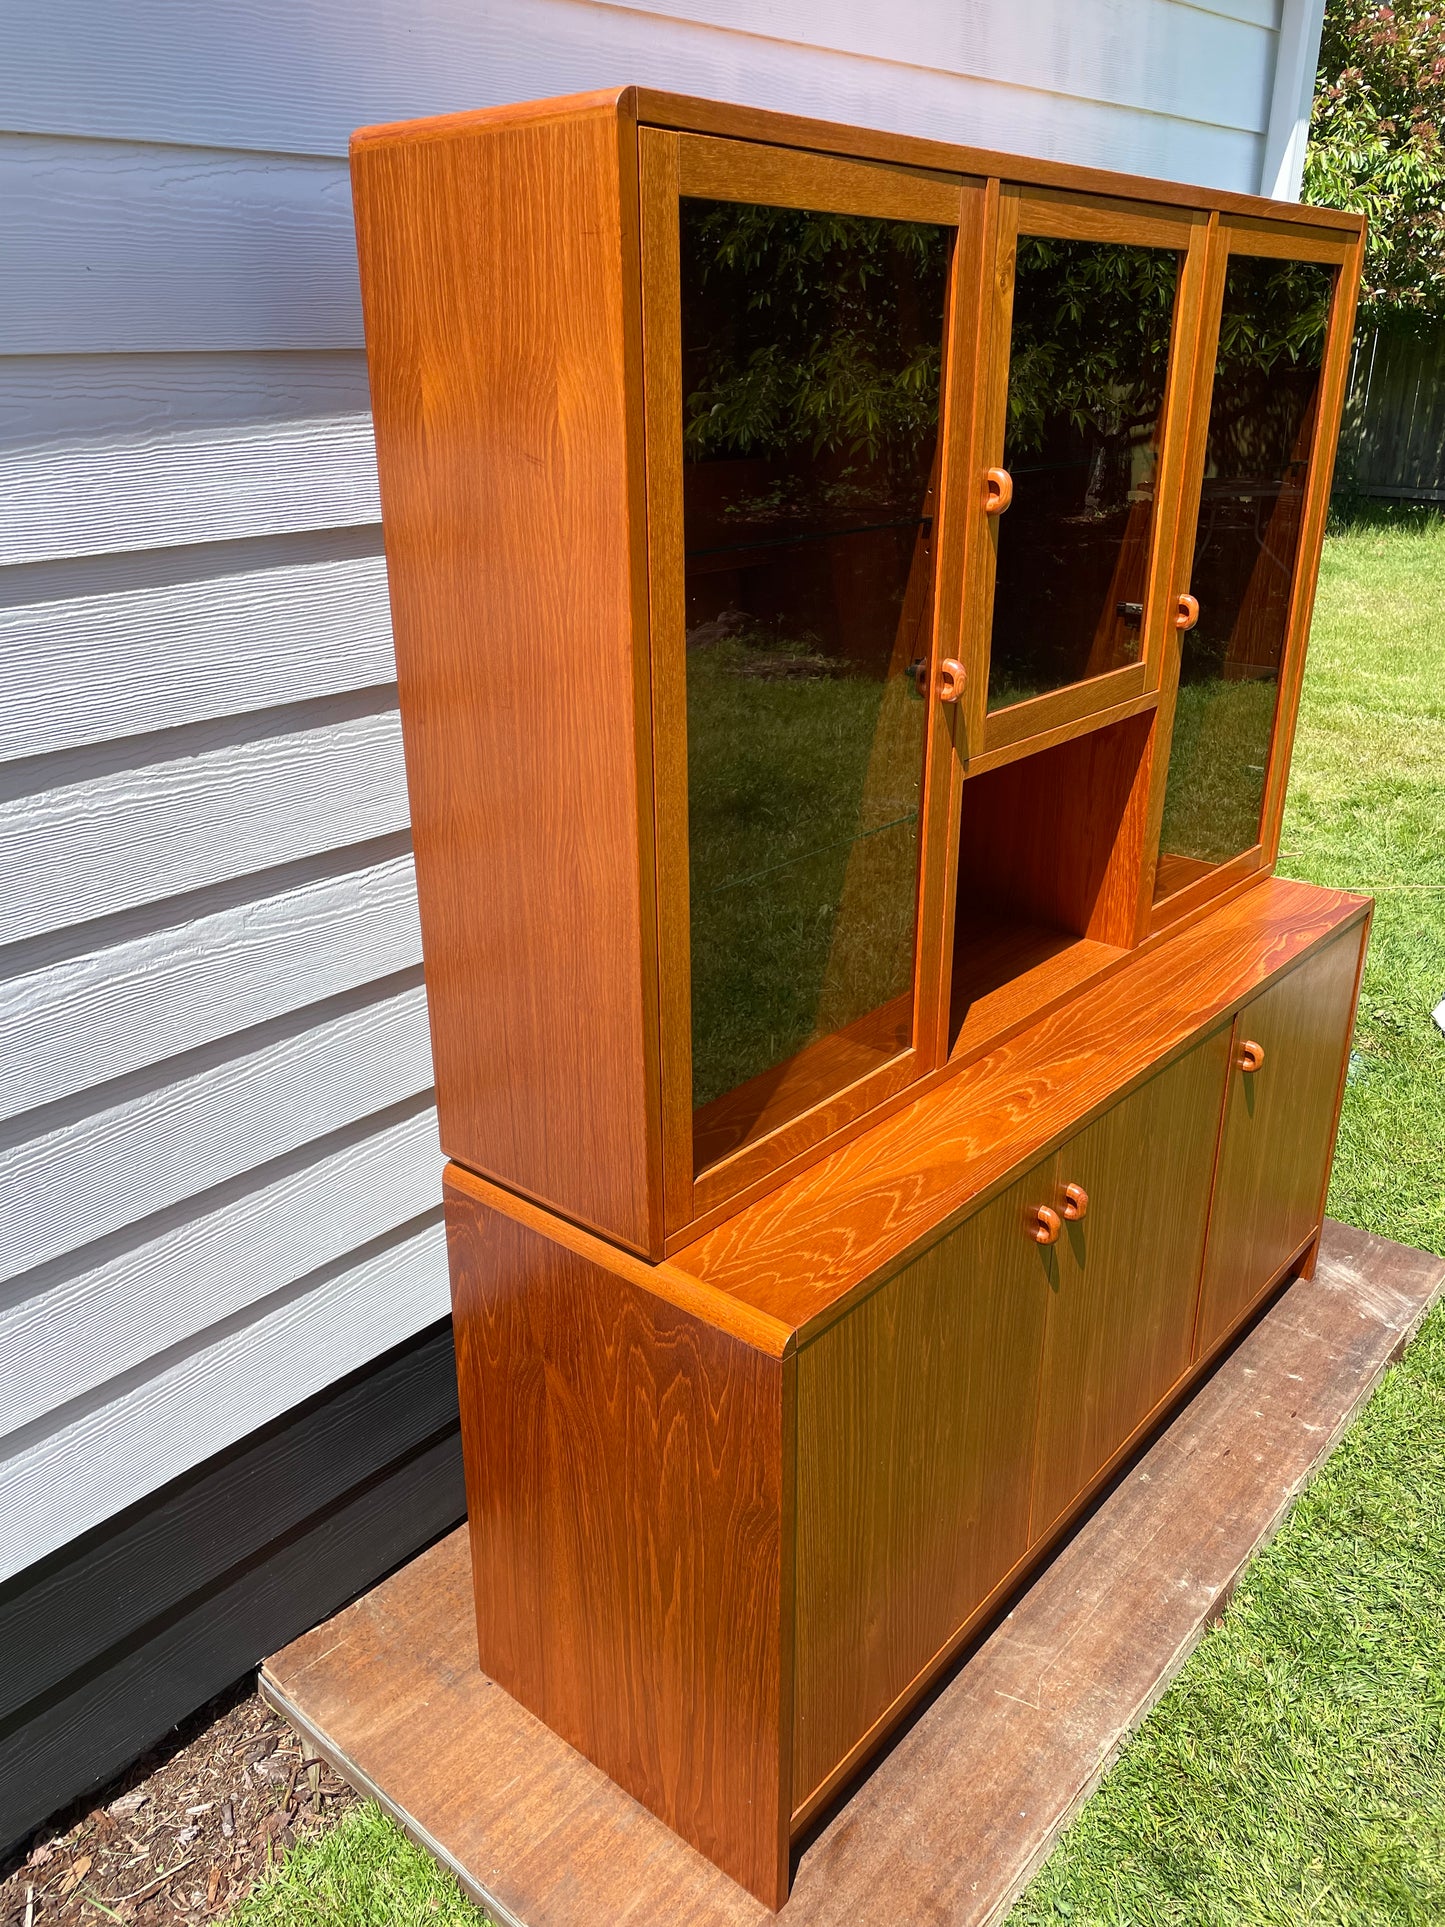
<point>1279,1131</point>
<point>916,1417</point>
<point>626,1491</point>
<point>498,273</point>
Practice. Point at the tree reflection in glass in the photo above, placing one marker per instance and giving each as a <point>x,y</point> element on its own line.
<point>1260,437</point>
<point>1088,364</point>
<point>811,363</point>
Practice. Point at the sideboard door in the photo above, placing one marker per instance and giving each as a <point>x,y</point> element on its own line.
<point>1125,1276</point>
<point>1285,1079</point>
<point>916,1416</point>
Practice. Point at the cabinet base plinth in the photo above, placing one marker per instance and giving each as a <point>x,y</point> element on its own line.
<point>390,1691</point>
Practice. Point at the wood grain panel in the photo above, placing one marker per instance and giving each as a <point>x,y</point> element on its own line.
<point>1279,1131</point>
<point>662,405</point>
<point>915,1434</point>
<point>1071,711</point>
<point>955,1816</point>
<point>1075,217</point>
<point>801,1250</point>
<point>625,1485</point>
<point>750,123</point>
<point>1125,1278</point>
<point>1054,838</point>
<point>504,331</point>
<point>1286,241</point>
<point>783,177</point>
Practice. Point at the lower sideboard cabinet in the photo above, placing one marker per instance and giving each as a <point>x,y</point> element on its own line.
<point>726,1526</point>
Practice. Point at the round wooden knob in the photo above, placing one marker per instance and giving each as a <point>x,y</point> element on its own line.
<point>951,677</point>
<point>998,486</point>
<point>1251,1056</point>
<point>1188,613</point>
<point>1047,1225</point>
<point>1076,1202</point>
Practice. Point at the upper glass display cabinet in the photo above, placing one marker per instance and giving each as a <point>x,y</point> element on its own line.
<point>850,593</point>
<point>924,463</point>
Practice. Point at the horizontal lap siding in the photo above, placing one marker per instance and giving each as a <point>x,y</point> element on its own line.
<point>218,1159</point>
<point>1050,77</point>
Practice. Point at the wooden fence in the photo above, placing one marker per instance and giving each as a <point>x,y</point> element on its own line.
<point>1394,435</point>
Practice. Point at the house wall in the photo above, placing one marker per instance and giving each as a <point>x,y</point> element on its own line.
<point>218,1165</point>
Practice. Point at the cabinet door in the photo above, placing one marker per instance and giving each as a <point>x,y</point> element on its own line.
<point>796,315</point>
<point>1083,444</point>
<point>1276,329</point>
<point>1280,1115</point>
<point>916,1416</point>
<point>1124,1278</point>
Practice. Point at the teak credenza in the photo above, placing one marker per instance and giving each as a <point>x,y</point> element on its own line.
<point>850,597</point>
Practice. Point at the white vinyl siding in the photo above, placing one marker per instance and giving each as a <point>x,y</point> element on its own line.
<point>218,1161</point>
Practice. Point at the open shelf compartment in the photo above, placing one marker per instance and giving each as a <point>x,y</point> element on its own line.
<point>1049,866</point>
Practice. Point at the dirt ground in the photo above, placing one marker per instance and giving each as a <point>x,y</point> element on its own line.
<point>185,1833</point>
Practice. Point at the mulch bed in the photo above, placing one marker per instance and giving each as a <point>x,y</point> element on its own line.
<point>185,1833</point>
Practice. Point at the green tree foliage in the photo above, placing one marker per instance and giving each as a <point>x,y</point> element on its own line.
<point>1377,145</point>
<point>1090,347</point>
<point>810,331</point>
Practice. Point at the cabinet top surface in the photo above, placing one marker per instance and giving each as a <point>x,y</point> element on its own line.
<point>646,106</point>
<point>799,1253</point>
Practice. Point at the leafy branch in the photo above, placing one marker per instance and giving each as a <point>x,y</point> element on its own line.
<point>811,331</point>
<point>1377,145</point>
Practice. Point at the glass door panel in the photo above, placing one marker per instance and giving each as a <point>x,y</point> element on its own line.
<point>1089,356</point>
<point>811,347</point>
<point>1251,513</point>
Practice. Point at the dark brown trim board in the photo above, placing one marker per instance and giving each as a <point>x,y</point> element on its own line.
<point>959,1812</point>
<point>115,1638</point>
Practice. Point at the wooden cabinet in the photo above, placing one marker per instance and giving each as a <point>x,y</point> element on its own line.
<point>850,595</point>
<point>1287,1064</point>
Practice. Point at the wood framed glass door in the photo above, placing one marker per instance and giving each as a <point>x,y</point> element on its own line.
<point>1273,354</point>
<point>1079,457</point>
<point>804,604</point>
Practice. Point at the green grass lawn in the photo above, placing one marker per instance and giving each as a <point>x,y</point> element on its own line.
<point>803,785</point>
<point>1295,1772</point>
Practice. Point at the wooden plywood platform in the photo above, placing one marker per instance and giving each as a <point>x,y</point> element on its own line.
<point>955,1817</point>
